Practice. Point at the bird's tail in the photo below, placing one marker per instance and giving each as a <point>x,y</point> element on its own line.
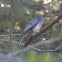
<point>22,37</point>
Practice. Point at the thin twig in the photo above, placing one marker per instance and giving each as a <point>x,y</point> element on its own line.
<point>31,47</point>
<point>38,43</point>
<point>53,40</point>
<point>11,35</point>
<point>33,4</point>
<point>47,32</point>
<point>20,34</point>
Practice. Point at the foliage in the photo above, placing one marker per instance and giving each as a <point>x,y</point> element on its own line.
<point>15,15</point>
<point>34,57</point>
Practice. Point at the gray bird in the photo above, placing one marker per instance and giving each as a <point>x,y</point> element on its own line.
<point>33,26</point>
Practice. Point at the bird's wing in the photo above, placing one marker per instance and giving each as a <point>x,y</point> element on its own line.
<point>31,24</point>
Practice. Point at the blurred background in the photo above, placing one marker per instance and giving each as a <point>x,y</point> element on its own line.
<point>14,16</point>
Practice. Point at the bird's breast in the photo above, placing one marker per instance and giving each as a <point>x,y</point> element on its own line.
<point>37,28</point>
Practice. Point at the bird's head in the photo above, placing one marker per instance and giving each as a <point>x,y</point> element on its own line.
<point>40,18</point>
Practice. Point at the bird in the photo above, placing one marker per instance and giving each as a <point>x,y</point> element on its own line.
<point>33,26</point>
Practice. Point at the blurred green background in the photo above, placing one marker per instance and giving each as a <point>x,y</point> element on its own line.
<point>14,16</point>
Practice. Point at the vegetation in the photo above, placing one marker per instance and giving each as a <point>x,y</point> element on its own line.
<point>14,16</point>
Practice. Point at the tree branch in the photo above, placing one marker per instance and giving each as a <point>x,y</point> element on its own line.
<point>59,48</point>
<point>30,47</point>
<point>44,29</point>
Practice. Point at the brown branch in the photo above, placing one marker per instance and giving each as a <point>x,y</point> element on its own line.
<point>44,29</point>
